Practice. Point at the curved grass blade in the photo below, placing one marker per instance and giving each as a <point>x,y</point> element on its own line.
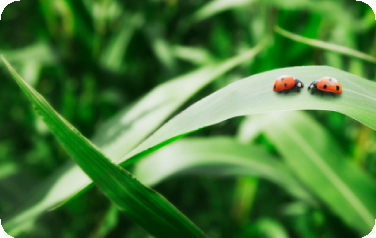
<point>122,133</point>
<point>143,205</point>
<point>194,55</point>
<point>214,7</point>
<point>326,46</point>
<point>320,164</point>
<point>217,156</point>
<point>254,95</point>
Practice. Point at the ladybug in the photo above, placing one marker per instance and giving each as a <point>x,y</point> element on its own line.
<point>326,84</point>
<point>287,82</point>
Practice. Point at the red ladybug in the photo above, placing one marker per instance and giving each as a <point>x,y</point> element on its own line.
<point>287,82</point>
<point>327,84</point>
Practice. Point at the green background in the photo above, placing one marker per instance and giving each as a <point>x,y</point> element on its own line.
<point>94,59</point>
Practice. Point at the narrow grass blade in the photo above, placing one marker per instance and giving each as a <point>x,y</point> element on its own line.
<point>39,52</point>
<point>113,53</point>
<point>268,227</point>
<point>326,46</point>
<point>161,47</point>
<point>217,156</point>
<point>318,161</point>
<point>140,203</point>
<point>194,55</point>
<point>214,7</point>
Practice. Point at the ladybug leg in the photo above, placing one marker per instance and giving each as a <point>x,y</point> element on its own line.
<point>332,94</point>
<point>286,91</point>
<point>321,93</point>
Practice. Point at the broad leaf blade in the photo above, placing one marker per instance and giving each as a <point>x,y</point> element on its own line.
<point>254,95</point>
<point>140,203</point>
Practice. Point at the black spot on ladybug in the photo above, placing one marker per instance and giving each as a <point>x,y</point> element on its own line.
<point>330,79</point>
<point>275,86</point>
<point>325,86</point>
<point>282,79</point>
<point>285,84</point>
<point>337,88</point>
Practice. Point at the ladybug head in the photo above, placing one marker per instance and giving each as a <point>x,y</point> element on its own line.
<point>298,83</point>
<point>312,85</point>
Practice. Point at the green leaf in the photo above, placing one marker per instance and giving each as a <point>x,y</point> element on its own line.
<point>122,133</point>
<point>116,48</point>
<point>319,162</point>
<point>217,6</point>
<point>194,55</point>
<point>255,95</point>
<point>161,47</point>
<point>326,46</point>
<point>217,156</point>
<point>267,227</point>
<point>143,205</point>
<point>39,52</point>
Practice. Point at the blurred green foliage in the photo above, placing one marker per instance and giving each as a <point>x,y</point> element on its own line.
<point>92,58</point>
